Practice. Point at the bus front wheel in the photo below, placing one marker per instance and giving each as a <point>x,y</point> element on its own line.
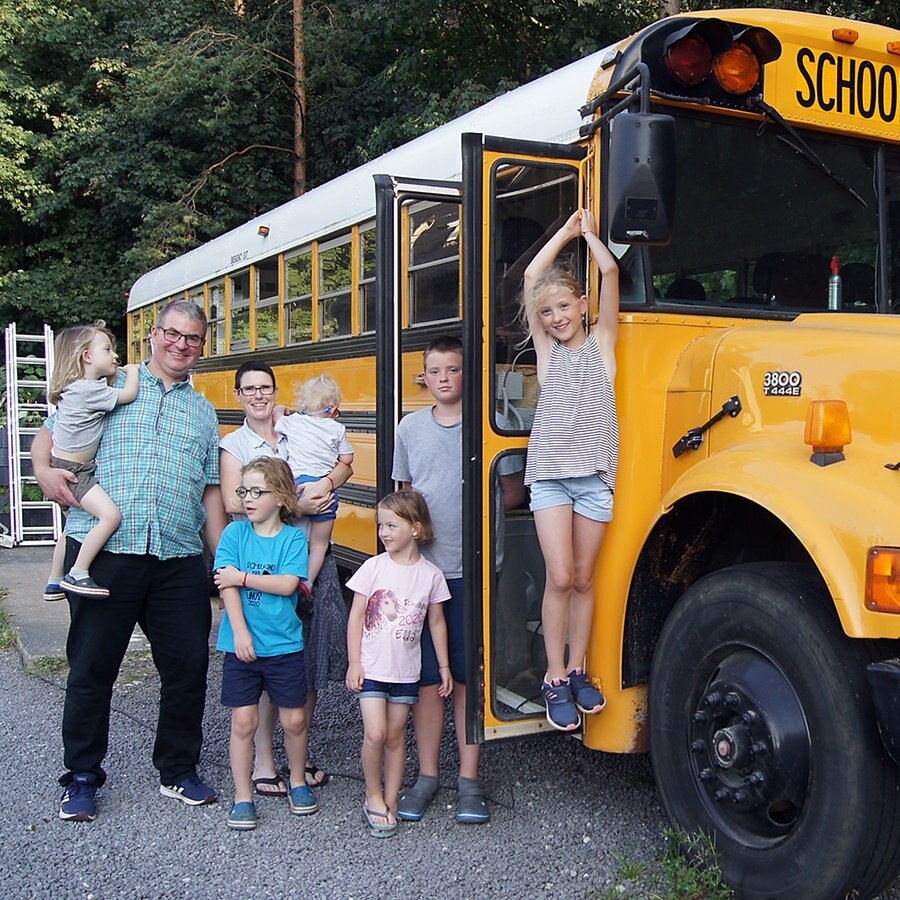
<point>762,737</point>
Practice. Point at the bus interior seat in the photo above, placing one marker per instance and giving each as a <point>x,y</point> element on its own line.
<point>686,289</point>
<point>793,279</point>
<point>858,286</point>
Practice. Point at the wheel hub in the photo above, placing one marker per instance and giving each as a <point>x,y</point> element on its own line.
<point>750,748</point>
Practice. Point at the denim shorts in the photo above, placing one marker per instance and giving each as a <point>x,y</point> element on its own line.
<point>331,512</point>
<point>390,691</point>
<point>588,495</point>
<point>282,677</point>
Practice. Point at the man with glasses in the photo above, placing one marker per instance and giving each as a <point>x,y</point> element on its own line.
<point>159,461</point>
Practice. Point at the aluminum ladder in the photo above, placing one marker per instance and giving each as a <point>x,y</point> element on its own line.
<point>29,366</point>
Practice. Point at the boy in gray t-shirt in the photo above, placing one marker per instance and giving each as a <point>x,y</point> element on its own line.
<point>428,458</point>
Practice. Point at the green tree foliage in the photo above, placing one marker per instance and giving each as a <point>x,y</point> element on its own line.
<point>133,130</point>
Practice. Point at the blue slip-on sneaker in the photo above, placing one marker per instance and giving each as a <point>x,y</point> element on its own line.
<point>561,712</point>
<point>242,816</point>
<point>301,800</point>
<point>471,806</point>
<point>84,587</point>
<point>587,698</point>
<point>416,799</point>
<point>190,790</point>
<point>77,803</point>
<point>53,592</point>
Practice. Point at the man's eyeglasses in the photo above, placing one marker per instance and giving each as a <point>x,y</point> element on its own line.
<point>265,390</point>
<point>172,336</point>
<point>253,493</point>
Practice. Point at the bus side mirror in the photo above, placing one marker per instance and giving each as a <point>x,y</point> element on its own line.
<point>641,181</point>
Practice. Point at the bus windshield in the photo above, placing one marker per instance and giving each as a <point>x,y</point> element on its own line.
<point>763,232</point>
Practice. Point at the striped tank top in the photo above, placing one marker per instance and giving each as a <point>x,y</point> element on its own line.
<point>576,430</point>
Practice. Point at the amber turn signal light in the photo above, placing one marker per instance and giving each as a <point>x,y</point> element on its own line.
<point>883,579</point>
<point>737,69</point>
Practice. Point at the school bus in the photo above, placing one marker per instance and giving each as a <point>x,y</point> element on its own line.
<point>745,168</point>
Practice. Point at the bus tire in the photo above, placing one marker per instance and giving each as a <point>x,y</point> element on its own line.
<point>763,737</point>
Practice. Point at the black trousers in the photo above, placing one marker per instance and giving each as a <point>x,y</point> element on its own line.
<point>169,599</point>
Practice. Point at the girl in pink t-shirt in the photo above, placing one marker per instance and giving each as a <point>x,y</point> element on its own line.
<point>394,593</point>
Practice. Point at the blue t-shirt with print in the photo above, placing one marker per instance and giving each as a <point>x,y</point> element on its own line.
<point>271,618</point>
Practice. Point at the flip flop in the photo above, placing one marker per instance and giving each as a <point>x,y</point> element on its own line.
<point>316,777</point>
<point>378,829</point>
<point>276,781</point>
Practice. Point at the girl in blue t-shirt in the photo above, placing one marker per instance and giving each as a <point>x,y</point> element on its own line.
<point>260,563</point>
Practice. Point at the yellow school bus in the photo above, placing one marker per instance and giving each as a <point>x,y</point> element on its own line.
<point>745,168</point>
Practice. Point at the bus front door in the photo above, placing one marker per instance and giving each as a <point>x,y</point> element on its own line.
<point>515,195</point>
<point>417,291</point>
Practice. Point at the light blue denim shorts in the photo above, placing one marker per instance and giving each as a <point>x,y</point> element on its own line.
<point>588,495</point>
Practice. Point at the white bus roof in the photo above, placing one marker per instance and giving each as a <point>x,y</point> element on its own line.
<point>545,109</point>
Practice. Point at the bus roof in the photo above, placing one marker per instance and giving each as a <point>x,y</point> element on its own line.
<point>545,109</point>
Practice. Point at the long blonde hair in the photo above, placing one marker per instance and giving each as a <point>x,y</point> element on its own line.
<point>69,348</point>
<point>554,278</point>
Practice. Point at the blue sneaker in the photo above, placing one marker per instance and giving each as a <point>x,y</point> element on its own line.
<point>302,801</point>
<point>242,816</point>
<point>77,803</point>
<point>561,712</point>
<point>53,592</point>
<point>587,698</point>
<point>190,790</point>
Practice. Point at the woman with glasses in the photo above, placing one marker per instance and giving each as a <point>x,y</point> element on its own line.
<point>325,628</point>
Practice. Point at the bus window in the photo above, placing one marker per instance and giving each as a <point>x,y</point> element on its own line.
<point>517,645</point>
<point>148,320</point>
<point>763,232</point>
<point>298,298</point>
<point>267,303</point>
<point>335,283</point>
<point>367,278</point>
<point>134,346</point>
<point>892,188</point>
<point>531,201</point>
<point>240,310</point>
<point>195,295</point>
<point>433,262</point>
<point>215,343</point>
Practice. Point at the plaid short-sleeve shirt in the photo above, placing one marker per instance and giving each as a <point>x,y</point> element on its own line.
<point>156,458</point>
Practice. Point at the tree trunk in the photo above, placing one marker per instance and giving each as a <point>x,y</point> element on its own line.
<point>299,101</point>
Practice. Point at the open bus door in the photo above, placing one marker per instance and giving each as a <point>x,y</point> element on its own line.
<point>515,195</point>
<point>403,206</point>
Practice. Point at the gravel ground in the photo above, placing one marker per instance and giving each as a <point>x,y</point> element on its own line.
<point>546,793</point>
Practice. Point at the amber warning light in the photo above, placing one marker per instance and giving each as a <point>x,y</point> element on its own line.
<point>827,431</point>
<point>883,579</point>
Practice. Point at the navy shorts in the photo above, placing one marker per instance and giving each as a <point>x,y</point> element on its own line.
<point>456,640</point>
<point>282,677</point>
<point>390,691</point>
<point>332,510</point>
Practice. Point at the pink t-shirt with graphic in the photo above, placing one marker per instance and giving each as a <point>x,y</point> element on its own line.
<point>396,609</point>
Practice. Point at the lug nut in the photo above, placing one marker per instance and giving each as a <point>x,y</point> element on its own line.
<point>698,746</point>
<point>733,699</point>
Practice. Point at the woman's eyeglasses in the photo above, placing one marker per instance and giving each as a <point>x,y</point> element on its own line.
<point>265,390</point>
<point>253,493</point>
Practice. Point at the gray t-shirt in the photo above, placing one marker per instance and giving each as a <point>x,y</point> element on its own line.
<point>429,457</point>
<point>82,408</point>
